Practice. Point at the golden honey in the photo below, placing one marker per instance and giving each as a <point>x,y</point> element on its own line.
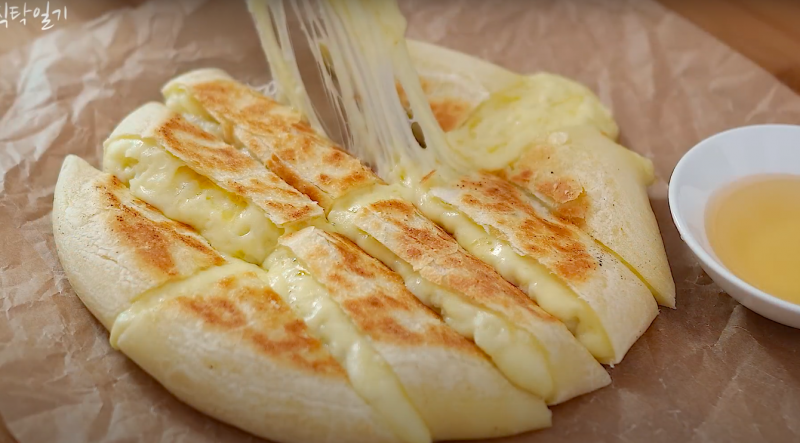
<point>753,226</point>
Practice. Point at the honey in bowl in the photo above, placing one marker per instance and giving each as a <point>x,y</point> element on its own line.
<point>753,225</point>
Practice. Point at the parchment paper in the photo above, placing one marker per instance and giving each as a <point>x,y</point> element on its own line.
<point>709,371</point>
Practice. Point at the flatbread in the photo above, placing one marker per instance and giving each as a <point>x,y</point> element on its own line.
<point>112,243</point>
<point>601,187</point>
<point>273,133</point>
<point>438,258</point>
<point>587,374</point>
<point>562,156</point>
<point>622,303</point>
<point>211,157</point>
<point>432,361</point>
<point>208,328</point>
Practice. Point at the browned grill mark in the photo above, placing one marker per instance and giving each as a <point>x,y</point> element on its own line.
<point>211,157</point>
<point>295,180</point>
<point>353,260</point>
<point>307,160</point>
<point>215,311</point>
<point>430,237</point>
<point>564,194</point>
<point>244,305</point>
<point>560,190</point>
<point>181,137</point>
<point>538,236</point>
<point>154,242</point>
<point>478,282</point>
<point>381,301</point>
<point>449,112</point>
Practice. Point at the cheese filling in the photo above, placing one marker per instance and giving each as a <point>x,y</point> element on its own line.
<point>229,222</point>
<point>516,353</point>
<point>370,375</point>
<point>278,48</point>
<point>496,133</point>
<point>183,103</point>
<point>553,295</point>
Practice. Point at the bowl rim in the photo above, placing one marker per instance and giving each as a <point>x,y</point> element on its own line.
<point>689,238</point>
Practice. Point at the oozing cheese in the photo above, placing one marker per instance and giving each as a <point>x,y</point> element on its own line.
<point>182,103</point>
<point>515,352</point>
<point>370,375</point>
<point>282,63</point>
<point>368,54</point>
<point>553,295</point>
<point>229,222</point>
<point>503,126</point>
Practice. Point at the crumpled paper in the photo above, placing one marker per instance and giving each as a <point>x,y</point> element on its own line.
<point>709,371</point>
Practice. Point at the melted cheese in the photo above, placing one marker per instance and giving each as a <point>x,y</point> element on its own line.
<point>229,222</point>
<point>516,353</point>
<point>180,102</point>
<point>503,126</point>
<point>368,54</point>
<point>360,51</point>
<point>553,295</point>
<point>277,47</point>
<point>370,375</point>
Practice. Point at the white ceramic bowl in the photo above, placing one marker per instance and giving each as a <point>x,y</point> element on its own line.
<point>713,163</point>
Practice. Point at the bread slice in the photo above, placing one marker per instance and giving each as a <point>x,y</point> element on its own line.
<point>273,133</point>
<point>208,328</point>
<point>562,150</point>
<point>229,104</point>
<point>602,302</point>
<point>195,178</point>
<point>533,349</point>
<point>601,187</point>
<point>225,343</point>
<point>114,246</point>
<point>455,388</point>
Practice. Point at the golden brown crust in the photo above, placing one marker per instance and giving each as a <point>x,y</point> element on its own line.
<point>475,279</point>
<point>192,143</point>
<point>231,349</point>
<point>371,294</point>
<point>418,239</point>
<point>114,247</point>
<point>560,191</point>
<point>565,194</point>
<point>155,244</point>
<point>283,141</point>
<point>245,304</point>
<point>449,112</point>
<point>283,168</point>
<point>234,171</point>
<point>613,206</point>
<point>439,258</point>
<point>474,282</point>
<point>514,219</point>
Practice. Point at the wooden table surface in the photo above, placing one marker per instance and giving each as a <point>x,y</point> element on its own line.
<point>766,31</point>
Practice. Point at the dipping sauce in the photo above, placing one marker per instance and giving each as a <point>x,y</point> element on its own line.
<point>753,226</point>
